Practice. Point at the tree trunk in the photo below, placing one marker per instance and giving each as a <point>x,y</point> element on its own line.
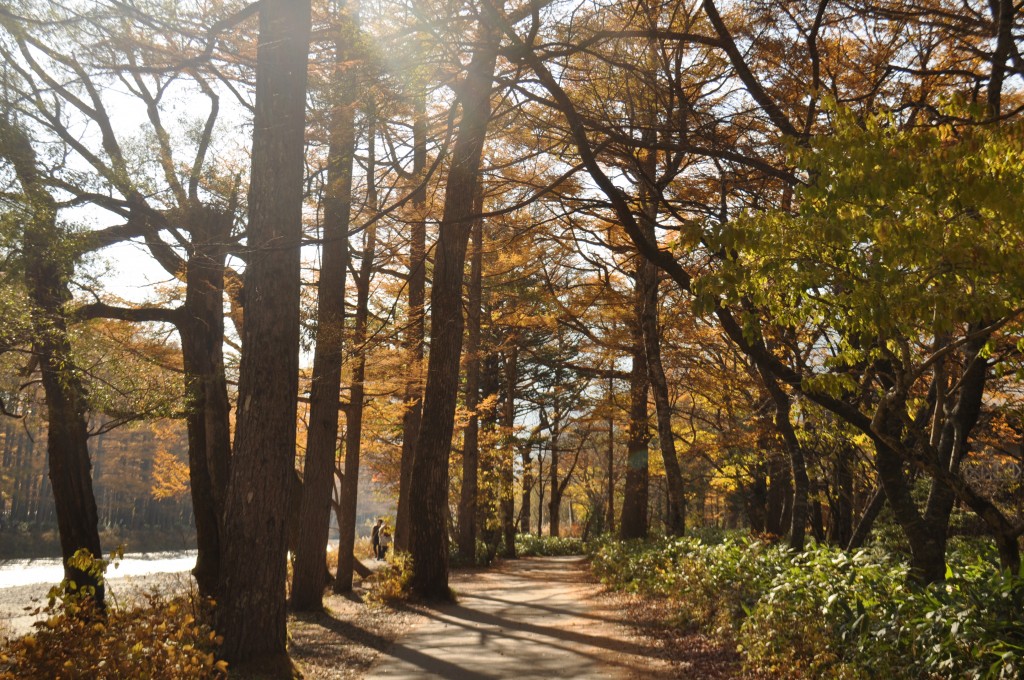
<point>251,610</point>
<point>524,502</point>
<point>507,455</point>
<point>413,340</point>
<point>610,462</point>
<point>309,569</point>
<point>46,278</point>
<point>675,522</point>
<point>867,520</point>
<point>555,502</point>
<point>428,497</point>
<point>471,436</point>
<point>633,523</point>
<point>354,422</point>
<point>208,417</point>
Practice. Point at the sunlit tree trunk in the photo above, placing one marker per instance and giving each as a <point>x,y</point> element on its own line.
<point>413,340</point>
<point>309,568</point>
<point>428,497</point>
<point>251,610</point>
<point>357,391</point>
<point>633,522</point>
<point>508,452</point>
<point>471,435</point>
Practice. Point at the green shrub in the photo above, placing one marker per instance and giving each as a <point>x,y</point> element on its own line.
<point>827,613</point>
<point>528,545</point>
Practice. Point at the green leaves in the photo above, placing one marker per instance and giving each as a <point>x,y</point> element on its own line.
<point>829,613</point>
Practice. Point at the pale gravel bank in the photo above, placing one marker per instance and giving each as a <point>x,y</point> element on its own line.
<point>18,602</point>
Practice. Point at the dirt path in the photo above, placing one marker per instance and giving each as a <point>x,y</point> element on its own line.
<point>528,618</point>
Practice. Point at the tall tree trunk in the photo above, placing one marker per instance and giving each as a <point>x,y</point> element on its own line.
<point>428,497</point>
<point>507,460</point>
<point>471,436</point>
<point>46,278</point>
<point>251,610</point>
<point>524,507</point>
<point>798,466</point>
<point>208,418</point>
<point>634,523</point>
<point>675,522</point>
<point>610,461</point>
<point>354,422</point>
<point>841,511</point>
<point>309,569</point>
<point>555,502</point>
<point>413,340</point>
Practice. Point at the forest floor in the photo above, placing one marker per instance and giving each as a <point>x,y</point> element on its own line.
<point>528,618</point>
<point>542,617</point>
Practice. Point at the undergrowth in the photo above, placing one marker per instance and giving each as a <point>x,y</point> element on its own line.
<point>391,582</point>
<point>528,545</point>
<point>826,613</point>
<point>166,638</point>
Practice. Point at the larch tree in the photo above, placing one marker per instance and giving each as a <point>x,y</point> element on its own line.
<point>427,499</point>
<point>251,614</point>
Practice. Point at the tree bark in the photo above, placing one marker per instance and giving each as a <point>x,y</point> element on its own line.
<point>428,497</point>
<point>357,391</point>
<point>610,460</point>
<point>208,417</point>
<point>309,569</point>
<point>251,612</point>
<point>471,437</point>
<point>414,333</point>
<point>555,501</point>
<point>633,522</point>
<point>675,522</point>
<point>507,455</point>
<point>48,267</point>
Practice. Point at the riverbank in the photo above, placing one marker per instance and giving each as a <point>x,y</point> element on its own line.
<point>21,605</point>
<point>17,545</point>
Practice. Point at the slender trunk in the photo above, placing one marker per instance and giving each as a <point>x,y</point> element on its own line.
<point>507,463</point>
<point>633,523</point>
<point>524,507</point>
<point>798,465</point>
<point>867,520</point>
<point>414,333</point>
<point>555,502</point>
<point>610,462</point>
<point>309,569</point>
<point>46,278</point>
<point>540,495</point>
<point>928,554</point>
<point>779,493</point>
<point>354,422</point>
<point>251,610</point>
<point>675,522</point>
<point>208,418</point>
<point>471,436</point>
<point>841,510</point>
<point>428,497</point>
<point>757,501</point>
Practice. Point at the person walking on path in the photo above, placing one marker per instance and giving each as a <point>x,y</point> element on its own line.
<point>375,538</point>
<point>385,543</point>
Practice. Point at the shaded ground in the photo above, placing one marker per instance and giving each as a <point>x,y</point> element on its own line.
<point>528,618</point>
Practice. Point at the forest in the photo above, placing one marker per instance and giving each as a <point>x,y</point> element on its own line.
<point>732,292</point>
